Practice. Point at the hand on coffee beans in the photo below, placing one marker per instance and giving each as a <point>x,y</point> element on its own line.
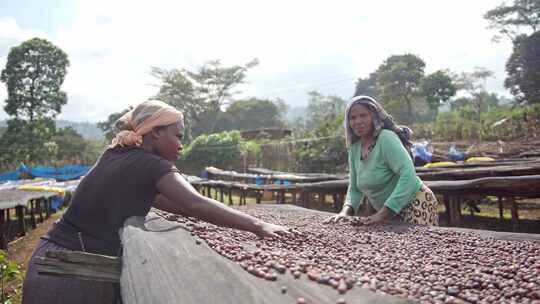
<point>266,230</point>
<point>381,217</point>
<point>336,218</point>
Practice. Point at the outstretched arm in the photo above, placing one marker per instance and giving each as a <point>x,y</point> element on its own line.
<point>182,198</point>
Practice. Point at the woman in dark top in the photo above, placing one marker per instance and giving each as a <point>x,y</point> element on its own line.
<point>135,173</point>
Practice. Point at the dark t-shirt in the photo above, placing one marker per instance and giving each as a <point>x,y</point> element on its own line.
<point>121,184</point>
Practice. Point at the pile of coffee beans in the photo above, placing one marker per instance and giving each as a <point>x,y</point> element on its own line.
<point>424,264</point>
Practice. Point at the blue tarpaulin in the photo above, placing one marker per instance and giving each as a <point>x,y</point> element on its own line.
<point>60,174</point>
<point>455,155</point>
<point>423,151</point>
<point>13,175</point>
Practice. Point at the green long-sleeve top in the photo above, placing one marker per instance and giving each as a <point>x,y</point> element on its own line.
<point>387,177</point>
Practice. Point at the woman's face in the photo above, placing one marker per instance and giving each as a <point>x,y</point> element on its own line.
<point>169,141</point>
<point>361,121</point>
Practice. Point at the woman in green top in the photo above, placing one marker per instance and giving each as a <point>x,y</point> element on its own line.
<point>382,182</point>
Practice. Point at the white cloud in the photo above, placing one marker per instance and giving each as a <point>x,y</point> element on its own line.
<point>302,45</point>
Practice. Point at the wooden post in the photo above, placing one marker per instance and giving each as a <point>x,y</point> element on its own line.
<point>48,207</point>
<point>455,211</point>
<point>515,216</point>
<point>40,203</point>
<point>230,196</point>
<point>293,193</point>
<point>32,214</point>
<point>3,243</point>
<point>446,200</point>
<point>322,198</point>
<point>501,208</point>
<point>221,194</point>
<point>258,196</point>
<point>19,210</point>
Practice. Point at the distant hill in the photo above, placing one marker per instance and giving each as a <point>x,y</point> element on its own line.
<point>295,112</point>
<point>88,130</point>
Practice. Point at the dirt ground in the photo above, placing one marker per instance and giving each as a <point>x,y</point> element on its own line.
<point>20,251</point>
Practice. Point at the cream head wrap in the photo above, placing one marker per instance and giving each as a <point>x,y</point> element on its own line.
<point>142,119</point>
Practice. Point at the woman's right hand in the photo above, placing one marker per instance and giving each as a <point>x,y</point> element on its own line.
<point>343,215</point>
<point>336,218</point>
<point>264,230</point>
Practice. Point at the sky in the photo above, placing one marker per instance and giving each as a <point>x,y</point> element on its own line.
<point>301,45</point>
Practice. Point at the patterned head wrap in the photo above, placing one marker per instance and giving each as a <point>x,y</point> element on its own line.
<point>381,120</point>
<point>142,119</point>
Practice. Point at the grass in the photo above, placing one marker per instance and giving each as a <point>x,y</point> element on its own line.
<point>20,251</point>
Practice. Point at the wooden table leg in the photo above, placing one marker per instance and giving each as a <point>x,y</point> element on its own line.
<point>48,207</point>
<point>501,208</point>
<point>258,196</point>
<point>455,211</point>
<point>33,214</point>
<point>19,210</point>
<point>3,243</point>
<point>322,200</point>
<point>40,203</point>
<point>446,200</point>
<point>515,216</point>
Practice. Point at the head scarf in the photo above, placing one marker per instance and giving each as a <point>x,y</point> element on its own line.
<point>142,119</point>
<point>381,120</point>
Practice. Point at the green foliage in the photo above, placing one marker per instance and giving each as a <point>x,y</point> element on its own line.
<point>88,130</point>
<point>70,143</point>
<point>322,109</point>
<point>250,114</point>
<point>398,82</point>
<point>367,86</point>
<point>34,73</point>
<point>9,270</point>
<point>523,69</point>
<point>201,94</point>
<point>438,88</point>
<point>506,122</point>
<point>223,150</point>
<point>509,19</point>
<point>73,148</point>
<point>108,125</point>
<point>28,141</point>
<point>324,149</point>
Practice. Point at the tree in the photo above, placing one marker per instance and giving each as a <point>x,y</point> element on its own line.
<point>71,144</point>
<point>509,20</point>
<point>254,113</point>
<point>28,141</point>
<point>474,85</point>
<point>398,80</point>
<point>438,88</point>
<point>367,86</point>
<point>201,94</point>
<point>34,73</point>
<point>108,125</point>
<point>321,109</point>
<point>523,69</point>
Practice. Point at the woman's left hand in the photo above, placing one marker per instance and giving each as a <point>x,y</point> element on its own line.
<point>381,217</point>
